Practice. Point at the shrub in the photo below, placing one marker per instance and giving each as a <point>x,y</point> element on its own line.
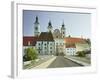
<point>30,54</point>
<point>81,53</point>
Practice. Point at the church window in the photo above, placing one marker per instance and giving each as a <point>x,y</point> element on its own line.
<point>50,47</point>
<point>45,44</point>
<point>39,44</point>
<point>38,47</point>
<point>45,48</point>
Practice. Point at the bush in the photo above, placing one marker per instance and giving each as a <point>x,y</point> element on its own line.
<point>30,54</point>
<point>81,53</point>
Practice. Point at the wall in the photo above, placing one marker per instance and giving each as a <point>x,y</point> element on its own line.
<point>5,40</point>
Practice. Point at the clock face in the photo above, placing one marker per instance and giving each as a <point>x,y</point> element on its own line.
<point>36,28</point>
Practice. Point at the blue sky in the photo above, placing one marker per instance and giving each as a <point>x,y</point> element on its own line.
<point>77,24</point>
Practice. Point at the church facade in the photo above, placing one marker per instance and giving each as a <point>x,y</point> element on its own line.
<point>52,41</point>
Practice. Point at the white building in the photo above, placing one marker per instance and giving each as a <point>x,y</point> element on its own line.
<point>45,44</point>
<point>71,50</point>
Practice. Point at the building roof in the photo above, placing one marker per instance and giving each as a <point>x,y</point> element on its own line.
<point>45,36</point>
<point>71,40</point>
<point>71,46</point>
<point>27,39</point>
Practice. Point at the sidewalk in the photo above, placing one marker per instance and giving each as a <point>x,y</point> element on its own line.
<point>80,60</point>
<point>46,64</point>
<point>41,62</point>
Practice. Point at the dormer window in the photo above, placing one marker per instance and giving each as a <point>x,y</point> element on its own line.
<point>29,43</point>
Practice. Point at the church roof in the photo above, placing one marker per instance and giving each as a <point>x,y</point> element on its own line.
<point>45,36</point>
<point>49,24</point>
<point>36,21</point>
<point>57,34</point>
<point>30,39</point>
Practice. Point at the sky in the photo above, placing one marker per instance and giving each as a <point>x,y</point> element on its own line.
<point>76,24</point>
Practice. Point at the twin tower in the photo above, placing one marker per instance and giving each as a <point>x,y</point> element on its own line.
<point>50,28</point>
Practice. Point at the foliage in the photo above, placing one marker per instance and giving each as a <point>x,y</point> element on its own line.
<point>81,53</point>
<point>30,54</point>
<point>88,41</point>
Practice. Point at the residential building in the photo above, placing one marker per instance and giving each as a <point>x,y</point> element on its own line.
<point>74,45</point>
<point>29,41</point>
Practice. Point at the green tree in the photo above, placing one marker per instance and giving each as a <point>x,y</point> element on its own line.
<point>81,53</point>
<point>30,54</point>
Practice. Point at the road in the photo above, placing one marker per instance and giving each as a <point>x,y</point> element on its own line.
<point>60,61</point>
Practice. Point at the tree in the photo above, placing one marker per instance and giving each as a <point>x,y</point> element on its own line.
<point>69,36</point>
<point>30,54</point>
<point>88,41</point>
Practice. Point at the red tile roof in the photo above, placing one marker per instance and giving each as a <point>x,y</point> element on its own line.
<point>30,39</point>
<point>71,40</point>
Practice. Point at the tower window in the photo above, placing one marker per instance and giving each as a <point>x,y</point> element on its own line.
<point>36,28</point>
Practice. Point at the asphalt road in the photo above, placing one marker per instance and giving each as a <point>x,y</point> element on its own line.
<point>60,61</point>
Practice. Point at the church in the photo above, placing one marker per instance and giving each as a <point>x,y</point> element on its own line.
<point>52,42</point>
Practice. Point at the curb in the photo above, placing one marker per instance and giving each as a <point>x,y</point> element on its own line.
<point>78,62</point>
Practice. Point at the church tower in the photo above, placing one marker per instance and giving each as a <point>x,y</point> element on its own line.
<point>49,27</point>
<point>63,30</point>
<point>36,27</point>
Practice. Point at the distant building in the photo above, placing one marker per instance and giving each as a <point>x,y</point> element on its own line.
<point>74,45</point>
<point>70,50</point>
